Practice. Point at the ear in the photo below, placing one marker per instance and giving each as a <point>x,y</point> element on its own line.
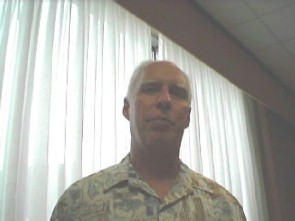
<point>126,108</point>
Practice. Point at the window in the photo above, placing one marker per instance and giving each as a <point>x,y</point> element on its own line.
<point>65,67</point>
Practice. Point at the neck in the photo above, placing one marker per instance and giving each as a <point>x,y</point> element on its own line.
<point>160,170</point>
<point>157,165</point>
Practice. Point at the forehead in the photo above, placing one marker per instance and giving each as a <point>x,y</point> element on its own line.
<point>164,72</point>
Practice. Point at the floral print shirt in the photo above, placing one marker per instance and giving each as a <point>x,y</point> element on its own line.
<point>118,193</point>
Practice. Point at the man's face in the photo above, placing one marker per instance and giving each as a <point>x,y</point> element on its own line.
<point>159,109</point>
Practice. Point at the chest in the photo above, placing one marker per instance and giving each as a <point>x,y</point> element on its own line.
<point>139,205</point>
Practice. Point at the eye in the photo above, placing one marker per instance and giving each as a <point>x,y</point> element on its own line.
<point>149,88</point>
<point>179,92</point>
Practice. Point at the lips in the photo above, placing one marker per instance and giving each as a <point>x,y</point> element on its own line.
<point>161,121</point>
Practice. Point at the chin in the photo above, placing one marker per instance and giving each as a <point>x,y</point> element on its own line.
<point>162,140</point>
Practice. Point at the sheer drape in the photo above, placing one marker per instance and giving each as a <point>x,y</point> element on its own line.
<point>220,142</point>
<point>64,70</point>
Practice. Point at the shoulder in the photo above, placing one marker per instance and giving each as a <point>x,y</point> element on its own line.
<point>218,200</point>
<point>211,187</point>
<point>98,180</point>
<point>87,194</point>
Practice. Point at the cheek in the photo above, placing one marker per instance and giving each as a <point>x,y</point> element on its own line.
<point>184,116</point>
<point>138,107</point>
<point>142,106</point>
<point>138,111</point>
<point>183,111</point>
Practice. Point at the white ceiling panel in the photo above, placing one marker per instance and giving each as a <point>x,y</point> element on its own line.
<point>290,46</point>
<point>281,23</point>
<point>263,7</point>
<point>278,59</point>
<point>265,27</point>
<point>257,41</point>
<point>225,11</point>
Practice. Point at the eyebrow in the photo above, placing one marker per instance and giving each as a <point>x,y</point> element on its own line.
<point>179,87</point>
<point>160,83</point>
<point>150,83</point>
<point>182,89</point>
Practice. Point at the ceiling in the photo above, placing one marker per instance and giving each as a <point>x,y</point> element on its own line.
<point>266,28</point>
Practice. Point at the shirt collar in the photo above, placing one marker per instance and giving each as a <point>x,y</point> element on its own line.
<point>125,172</point>
<point>119,173</point>
<point>188,180</point>
<point>192,180</point>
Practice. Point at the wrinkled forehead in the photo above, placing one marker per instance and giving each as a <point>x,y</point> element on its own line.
<point>163,72</point>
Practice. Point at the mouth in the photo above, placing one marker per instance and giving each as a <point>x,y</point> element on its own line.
<point>161,123</point>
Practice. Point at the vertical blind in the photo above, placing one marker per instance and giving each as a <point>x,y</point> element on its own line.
<point>64,71</point>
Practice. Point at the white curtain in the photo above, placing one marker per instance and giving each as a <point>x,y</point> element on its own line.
<point>220,142</point>
<point>64,70</point>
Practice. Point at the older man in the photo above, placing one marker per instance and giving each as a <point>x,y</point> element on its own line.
<point>151,183</point>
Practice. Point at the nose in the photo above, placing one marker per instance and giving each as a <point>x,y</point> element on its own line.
<point>164,100</point>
